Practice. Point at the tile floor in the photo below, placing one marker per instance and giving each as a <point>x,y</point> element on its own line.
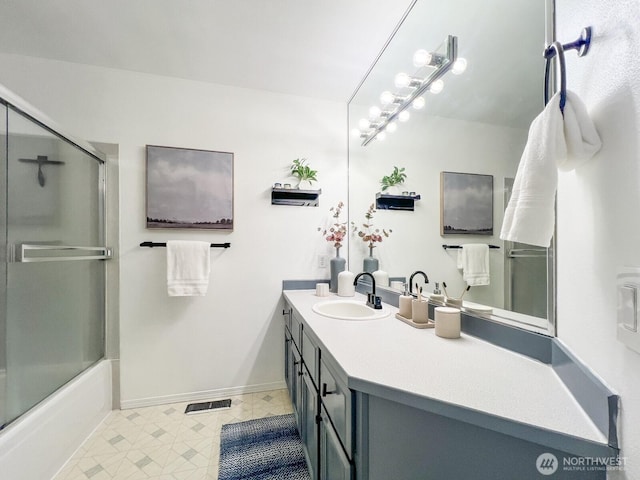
<point>162,443</point>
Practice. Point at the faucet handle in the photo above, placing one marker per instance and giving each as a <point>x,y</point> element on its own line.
<point>374,301</point>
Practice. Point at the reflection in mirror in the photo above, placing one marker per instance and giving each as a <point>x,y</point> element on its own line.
<point>477,124</point>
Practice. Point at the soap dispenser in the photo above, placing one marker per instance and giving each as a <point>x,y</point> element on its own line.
<point>404,303</point>
<point>437,295</point>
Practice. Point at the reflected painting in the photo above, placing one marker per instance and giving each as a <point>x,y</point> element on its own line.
<point>466,204</point>
<point>188,188</point>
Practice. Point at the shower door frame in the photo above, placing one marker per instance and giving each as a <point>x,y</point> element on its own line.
<point>11,102</point>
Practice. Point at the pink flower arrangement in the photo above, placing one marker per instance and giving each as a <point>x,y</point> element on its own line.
<point>368,233</point>
<point>338,230</point>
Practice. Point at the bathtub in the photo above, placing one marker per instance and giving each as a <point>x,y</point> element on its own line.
<point>37,445</point>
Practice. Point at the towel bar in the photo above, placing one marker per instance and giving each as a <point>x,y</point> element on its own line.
<point>460,246</point>
<point>164,244</point>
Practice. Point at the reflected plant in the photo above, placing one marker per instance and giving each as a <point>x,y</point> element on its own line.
<point>338,230</point>
<point>397,177</point>
<point>367,232</point>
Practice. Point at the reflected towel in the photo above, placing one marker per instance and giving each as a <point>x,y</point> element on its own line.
<point>556,142</point>
<point>473,260</point>
<point>188,268</point>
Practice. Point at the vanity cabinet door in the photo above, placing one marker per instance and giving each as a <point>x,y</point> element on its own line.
<point>308,424</point>
<point>289,374</point>
<point>334,464</point>
<point>336,398</point>
<point>296,379</point>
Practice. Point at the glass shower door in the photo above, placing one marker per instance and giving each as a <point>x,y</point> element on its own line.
<point>54,275</point>
<point>525,275</point>
<point>3,265</point>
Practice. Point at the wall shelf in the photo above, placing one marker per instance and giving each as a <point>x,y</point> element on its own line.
<point>396,202</point>
<point>295,197</point>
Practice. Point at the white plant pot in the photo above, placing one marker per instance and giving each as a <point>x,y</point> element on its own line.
<point>305,185</point>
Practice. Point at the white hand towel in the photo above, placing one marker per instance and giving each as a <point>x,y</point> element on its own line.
<point>473,260</point>
<point>188,268</point>
<point>556,141</point>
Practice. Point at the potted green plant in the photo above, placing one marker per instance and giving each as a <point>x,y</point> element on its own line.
<point>391,183</point>
<point>304,173</point>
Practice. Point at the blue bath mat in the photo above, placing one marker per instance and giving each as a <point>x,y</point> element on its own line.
<point>263,449</point>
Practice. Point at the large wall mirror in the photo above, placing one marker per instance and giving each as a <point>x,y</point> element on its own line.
<point>477,125</point>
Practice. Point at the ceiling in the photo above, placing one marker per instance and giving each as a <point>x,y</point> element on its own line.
<point>310,48</point>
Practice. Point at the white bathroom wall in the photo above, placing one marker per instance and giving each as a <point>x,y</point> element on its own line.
<point>230,340</point>
<point>598,223</point>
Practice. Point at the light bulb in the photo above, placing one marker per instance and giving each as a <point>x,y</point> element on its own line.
<point>374,112</point>
<point>392,127</point>
<point>421,58</point>
<point>403,116</point>
<point>418,103</point>
<point>364,124</point>
<point>459,66</point>
<point>436,87</point>
<point>402,80</point>
<point>387,98</point>
<point>381,136</point>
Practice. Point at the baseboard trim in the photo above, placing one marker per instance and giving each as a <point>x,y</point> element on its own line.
<point>203,395</point>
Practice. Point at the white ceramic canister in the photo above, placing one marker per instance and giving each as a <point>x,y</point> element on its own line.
<point>346,288</point>
<point>447,322</point>
<point>381,277</point>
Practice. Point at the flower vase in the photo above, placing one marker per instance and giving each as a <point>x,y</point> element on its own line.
<point>337,265</point>
<point>370,263</point>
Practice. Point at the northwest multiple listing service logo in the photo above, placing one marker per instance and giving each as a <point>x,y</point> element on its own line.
<point>547,464</point>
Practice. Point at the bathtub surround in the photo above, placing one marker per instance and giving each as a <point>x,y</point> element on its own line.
<point>51,432</point>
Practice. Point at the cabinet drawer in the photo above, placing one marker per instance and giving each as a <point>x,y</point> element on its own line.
<point>338,402</point>
<point>311,357</point>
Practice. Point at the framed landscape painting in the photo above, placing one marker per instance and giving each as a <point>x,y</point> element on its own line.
<point>189,188</point>
<point>466,204</point>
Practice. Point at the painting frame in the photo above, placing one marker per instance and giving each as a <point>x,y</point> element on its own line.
<point>188,188</point>
<point>466,204</point>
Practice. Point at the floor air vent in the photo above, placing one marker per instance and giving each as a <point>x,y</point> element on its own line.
<point>204,407</point>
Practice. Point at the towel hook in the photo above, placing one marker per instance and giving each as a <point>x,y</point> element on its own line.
<point>557,49</point>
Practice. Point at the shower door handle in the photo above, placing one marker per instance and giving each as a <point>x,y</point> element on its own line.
<point>527,253</point>
<point>27,252</point>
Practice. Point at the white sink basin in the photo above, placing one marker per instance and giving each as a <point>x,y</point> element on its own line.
<point>349,310</point>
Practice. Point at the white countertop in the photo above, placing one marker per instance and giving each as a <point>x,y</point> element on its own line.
<point>390,358</point>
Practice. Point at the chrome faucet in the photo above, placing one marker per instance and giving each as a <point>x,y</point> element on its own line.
<point>373,301</point>
<point>417,272</point>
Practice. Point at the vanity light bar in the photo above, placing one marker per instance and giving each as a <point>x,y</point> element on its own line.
<point>442,64</point>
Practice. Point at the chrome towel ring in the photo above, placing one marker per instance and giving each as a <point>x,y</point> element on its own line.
<point>556,50</point>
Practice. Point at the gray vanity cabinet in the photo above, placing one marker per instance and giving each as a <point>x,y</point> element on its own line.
<point>301,376</point>
<point>322,405</point>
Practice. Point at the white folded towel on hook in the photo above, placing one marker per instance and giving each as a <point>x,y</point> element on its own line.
<point>556,142</point>
<point>188,268</point>
<point>473,260</point>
